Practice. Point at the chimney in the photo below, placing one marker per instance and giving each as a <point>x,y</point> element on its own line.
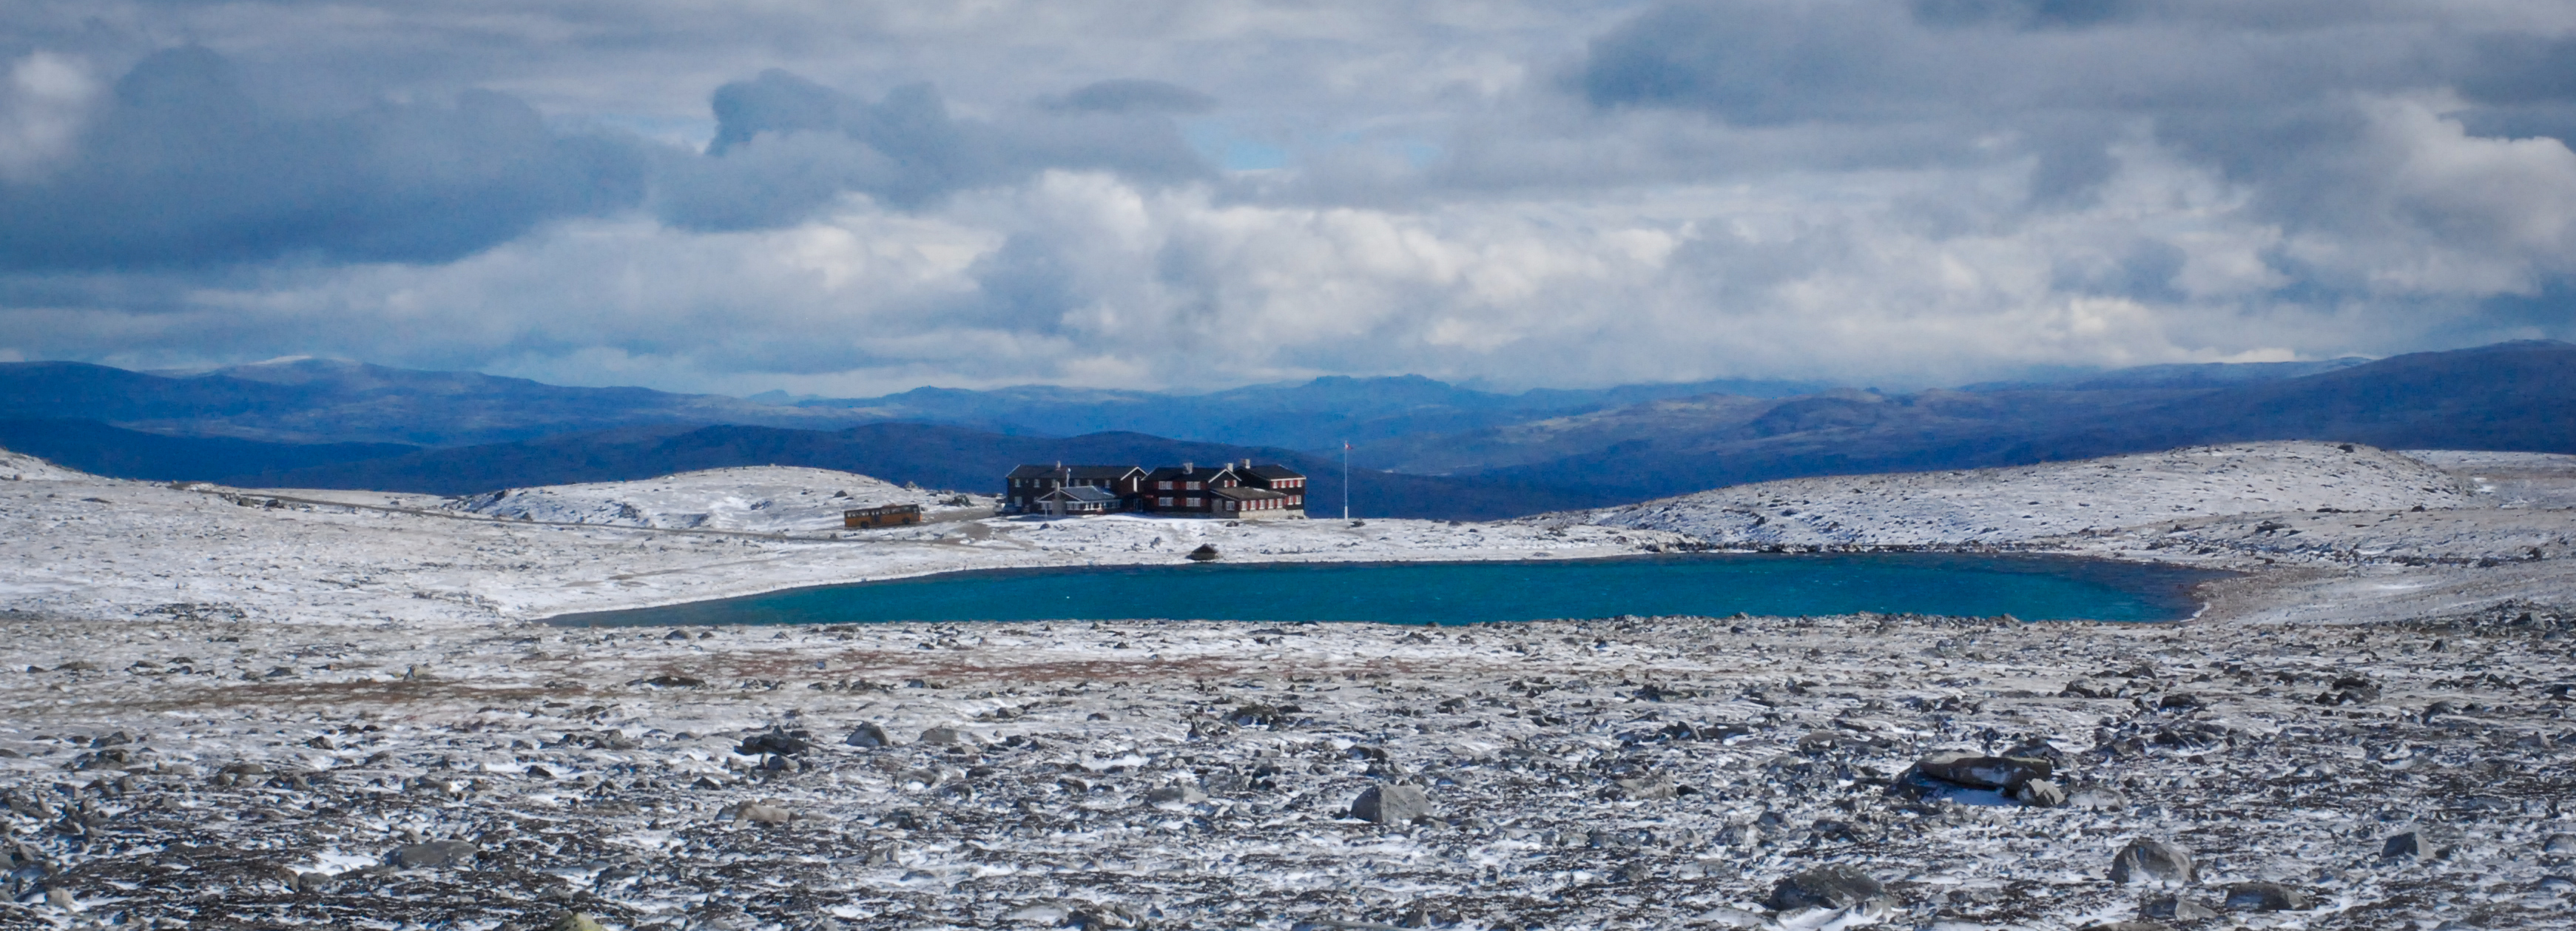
<point>1247,463</point>
<point>1189,468</point>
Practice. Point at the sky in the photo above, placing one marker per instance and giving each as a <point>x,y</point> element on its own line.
<point>853,197</point>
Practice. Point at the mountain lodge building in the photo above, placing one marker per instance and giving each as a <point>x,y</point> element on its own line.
<point>1236,490</point>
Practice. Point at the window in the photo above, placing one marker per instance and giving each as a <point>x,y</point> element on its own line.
<point>1165,501</point>
<point>1191,486</point>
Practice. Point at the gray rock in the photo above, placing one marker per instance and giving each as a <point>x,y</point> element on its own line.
<point>2149,860</point>
<point>757,813</point>
<point>1836,886</point>
<point>2138,925</point>
<point>1645,788</point>
<point>2040,793</point>
<point>433,854</point>
<point>946,737</point>
<point>2098,799</point>
<point>2177,908</point>
<point>1177,794</point>
<point>869,735</point>
<point>2415,842</point>
<point>2267,897</point>
<point>1391,804</point>
<point>61,898</point>
<point>1984,772</point>
<point>2559,843</point>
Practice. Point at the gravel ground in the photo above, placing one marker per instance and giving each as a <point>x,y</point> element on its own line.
<point>1626,773</point>
<point>242,709</point>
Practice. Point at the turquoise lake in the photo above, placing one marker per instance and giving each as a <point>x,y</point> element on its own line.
<point>1713,585</point>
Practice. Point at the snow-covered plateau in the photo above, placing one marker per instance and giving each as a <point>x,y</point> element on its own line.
<point>234,708</point>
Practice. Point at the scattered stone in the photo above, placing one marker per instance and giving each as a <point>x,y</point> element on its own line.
<point>868,734</point>
<point>1838,886</point>
<point>1176,794</point>
<point>2177,907</point>
<point>576,921</point>
<point>2040,793</point>
<point>1983,772</point>
<point>779,742</point>
<point>1646,788</point>
<point>2150,860</point>
<point>1205,553</point>
<point>2267,897</point>
<point>946,737</point>
<point>758,813</point>
<point>1391,804</point>
<point>2135,925</point>
<point>2559,843</point>
<point>433,854</point>
<point>2415,843</point>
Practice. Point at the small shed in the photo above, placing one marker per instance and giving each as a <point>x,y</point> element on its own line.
<point>891,515</point>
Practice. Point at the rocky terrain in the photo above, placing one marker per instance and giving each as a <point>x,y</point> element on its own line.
<point>232,708</point>
<point>209,772</point>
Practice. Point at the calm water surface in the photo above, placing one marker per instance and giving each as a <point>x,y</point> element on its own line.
<point>2028,587</point>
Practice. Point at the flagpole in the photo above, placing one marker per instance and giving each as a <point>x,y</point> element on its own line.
<point>1346,479</point>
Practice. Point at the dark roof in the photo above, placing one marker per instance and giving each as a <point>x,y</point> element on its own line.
<point>1174,474</point>
<point>1083,493</point>
<point>1273,471</point>
<point>1247,494</point>
<point>1079,471</point>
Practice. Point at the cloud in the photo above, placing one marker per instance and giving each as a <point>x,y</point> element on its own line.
<point>1132,95</point>
<point>181,167</point>
<point>1891,192</point>
<point>42,108</point>
<point>786,147</point>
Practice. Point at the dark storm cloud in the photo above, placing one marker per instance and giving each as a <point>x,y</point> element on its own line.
<point>182,168</point>
<point>786,146</point>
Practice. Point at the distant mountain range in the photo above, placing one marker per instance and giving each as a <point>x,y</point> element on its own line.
<point>1444,451</point>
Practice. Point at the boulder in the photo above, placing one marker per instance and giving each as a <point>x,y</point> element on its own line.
<point>2150,860</point>
<point>1176,794</point>
<point>758,813</point>
<point>2418,842</point>
<point>1646,788</point>
<point>576,921</point>
<point>779,742</point>
<point>433,854</point>
<point>946,737</point>
<point>1980,771</point>
<point>1839,885</point>
<point>2267,897</point>
<point>2559,843</point>
<point>2040,793</point>
<point>1205,553</point>
<point>2176,907</point>
<point>869,735</point>
<point>1391,804</point>
<point>2137,925</point>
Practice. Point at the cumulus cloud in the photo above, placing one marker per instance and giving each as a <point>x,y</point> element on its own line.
<point>42,108</point>
<point>785,146</point>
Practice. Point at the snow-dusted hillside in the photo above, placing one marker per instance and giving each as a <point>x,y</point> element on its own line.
<point>20,467</point>
<point>2054,499</point>
<point>760,499</point>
